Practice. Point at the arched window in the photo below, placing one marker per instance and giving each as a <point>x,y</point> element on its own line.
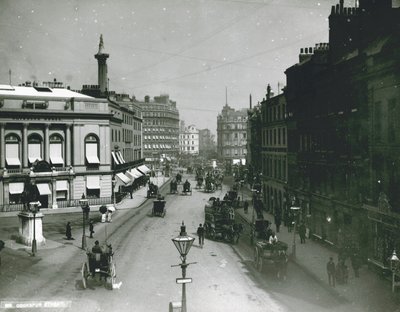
<point>13,143</point>
<point>34,147</point>
<point>92,149</point>
<point>56,150</point>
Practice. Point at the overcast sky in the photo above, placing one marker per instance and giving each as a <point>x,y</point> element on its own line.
<point>190,49</point>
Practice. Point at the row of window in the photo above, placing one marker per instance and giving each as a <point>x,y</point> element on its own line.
<point>189,148</point>
<point>171,130</point>
<point>276,136</point>
<point>159,137</point>
<point>238,126</point>
<point>275,167</point>
<point>155,146</point>
<point>235,135</point>
<point>35,151</point>
<point>187,143</point>
<point>187,136</point>
<point>235,152</point>
<point>275,113</point>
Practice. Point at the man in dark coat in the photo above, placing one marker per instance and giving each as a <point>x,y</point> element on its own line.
<point>330,268</point>
<point>91,230</point>
<point>68,231</point>
<point>200,233</point>
<point>302,233</point>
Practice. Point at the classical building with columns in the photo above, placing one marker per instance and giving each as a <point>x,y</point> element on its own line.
<point>58,140</point>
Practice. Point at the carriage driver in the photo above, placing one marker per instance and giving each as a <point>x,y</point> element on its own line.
<point>186,186</point>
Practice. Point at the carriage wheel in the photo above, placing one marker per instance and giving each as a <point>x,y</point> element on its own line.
<point>84,272</point>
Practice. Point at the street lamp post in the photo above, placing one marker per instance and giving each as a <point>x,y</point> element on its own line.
<point>294,209</point>
<point>183,242</point>
<point>34,208</point>
<point>113,181</point>
<point>84,205</point>
<point>394,267</point>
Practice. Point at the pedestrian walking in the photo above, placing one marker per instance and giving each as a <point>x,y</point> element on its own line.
<point>68,231</point>
<point>2,244</point>
<point>330,268</point>
<point>302,233</point>
<point>91,230</point>
<point>200,233</point>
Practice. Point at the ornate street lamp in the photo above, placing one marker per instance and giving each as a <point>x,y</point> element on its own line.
<point>34,207</point>
<point>394,267</point>
<point>183,242</point>
<point>85,210</point>
<point>294,210</point>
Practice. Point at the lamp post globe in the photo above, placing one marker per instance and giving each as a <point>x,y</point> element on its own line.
<point>394,267</point>
<point>183,243</point>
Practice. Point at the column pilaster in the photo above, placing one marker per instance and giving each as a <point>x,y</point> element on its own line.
<point>46,143</point>
<point>68,145</point>
<point>25,145</point>
<point>2,146</point>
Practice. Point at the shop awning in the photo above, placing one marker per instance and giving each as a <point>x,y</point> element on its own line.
<point>120,157</point>
<point>43,188</point>
<point>91,153</point>
<point>116,161</point>
<point>144,169</point>
<point>123,178</point>
<point>13,161</point>
<point>92,159</point>
<point>62,185</point>
<point>93,182</point>
<point>130,176</point>
<point>136,173</point>
<point>56,154</point>
<point>16,188</point>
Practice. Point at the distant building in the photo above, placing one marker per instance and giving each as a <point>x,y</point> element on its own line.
<point>232,135</point>
<point>188,139</point>
<point>160,127</point>
<point>207,145</point>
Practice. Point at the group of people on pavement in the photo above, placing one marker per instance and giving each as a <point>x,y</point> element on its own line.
<point>68,230</point>
<point>339,273</point>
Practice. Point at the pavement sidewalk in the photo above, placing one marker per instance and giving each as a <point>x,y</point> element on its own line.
<point>369,291</point>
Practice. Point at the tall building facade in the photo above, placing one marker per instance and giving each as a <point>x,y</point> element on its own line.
<point>274,153</point>
<point>188,139</point>
<point>59,141</point>
<point>343,137</point>
<point>232,135</point>
<point>160,126</point>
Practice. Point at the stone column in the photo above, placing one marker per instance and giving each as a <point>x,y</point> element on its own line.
<point>46,143</point>
<point>68,145</point>
<point>25,145</point>
<point>2,147</point>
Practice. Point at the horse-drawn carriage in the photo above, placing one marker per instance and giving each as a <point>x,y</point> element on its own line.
<point>209,185</point>
<point>187,189</point>
<point>99,264</point>
<point>152,191</point>
<point>199,181</point>
<point>173,187</point>
<point>273,254</point>
<point>178,178</point>
<point>159,207</point>
<point>220,223</point>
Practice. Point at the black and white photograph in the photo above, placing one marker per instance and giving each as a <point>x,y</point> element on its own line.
<point>200,155</point>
